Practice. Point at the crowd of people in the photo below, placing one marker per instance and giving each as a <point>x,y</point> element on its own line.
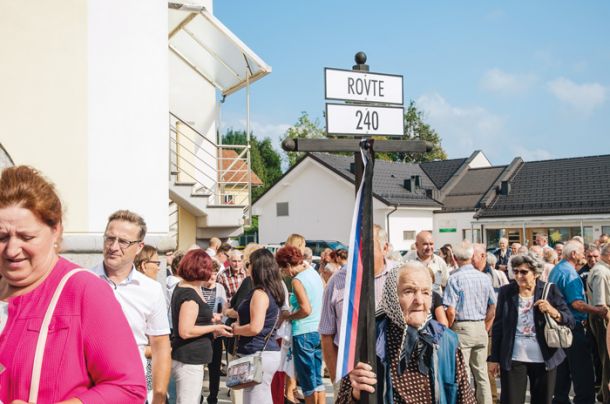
<point>447,325</point>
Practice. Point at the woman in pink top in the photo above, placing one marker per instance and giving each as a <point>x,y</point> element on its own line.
<point>90,354</point>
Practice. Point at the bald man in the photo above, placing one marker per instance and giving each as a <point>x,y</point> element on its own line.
<point>424,253</point>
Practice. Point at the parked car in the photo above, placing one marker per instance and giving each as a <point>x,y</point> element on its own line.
<point>317,246</point>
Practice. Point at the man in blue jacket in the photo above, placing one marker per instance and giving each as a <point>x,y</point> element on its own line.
<point>579,363</point>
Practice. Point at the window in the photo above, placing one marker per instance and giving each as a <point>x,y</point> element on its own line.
<point>408,235</point>
<point>229,199</point>
<point>468,234</point>
<point>281,209</point>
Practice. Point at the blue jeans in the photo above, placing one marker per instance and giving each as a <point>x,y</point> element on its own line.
<point>307,350</point>
<point>579,365</point>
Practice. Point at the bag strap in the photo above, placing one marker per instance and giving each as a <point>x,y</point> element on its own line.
<point>42,337</point>
<point>545,291</point>
<point>545,294</point>
<point>271,332</point>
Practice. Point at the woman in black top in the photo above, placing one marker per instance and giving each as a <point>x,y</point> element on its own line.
<point>193,329</point>
<point>259,316</point>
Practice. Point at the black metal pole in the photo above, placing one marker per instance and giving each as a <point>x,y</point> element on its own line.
<point>366,325</point>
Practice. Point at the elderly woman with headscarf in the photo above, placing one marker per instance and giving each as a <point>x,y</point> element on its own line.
<point>418,359</point>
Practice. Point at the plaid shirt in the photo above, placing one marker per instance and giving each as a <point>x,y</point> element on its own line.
<point>230,280</point>
<point>469,291</point>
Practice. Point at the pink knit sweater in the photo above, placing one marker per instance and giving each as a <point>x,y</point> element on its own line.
<point>90,354</point>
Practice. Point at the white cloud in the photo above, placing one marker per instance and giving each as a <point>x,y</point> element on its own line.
<point>532,154</point>
<point>462,129</point>
<point>501,82</point>
<point>582,97</point>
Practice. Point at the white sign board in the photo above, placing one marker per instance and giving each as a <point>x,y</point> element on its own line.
<point>347,119</point>
<point>350,85</point>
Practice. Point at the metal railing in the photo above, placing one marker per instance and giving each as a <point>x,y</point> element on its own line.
<point>219,171</point>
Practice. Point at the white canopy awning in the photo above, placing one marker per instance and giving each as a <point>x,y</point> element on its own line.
<point>202,42</point>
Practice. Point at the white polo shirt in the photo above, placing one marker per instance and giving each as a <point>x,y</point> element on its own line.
<point>437,265</point>
<point>143,303</point>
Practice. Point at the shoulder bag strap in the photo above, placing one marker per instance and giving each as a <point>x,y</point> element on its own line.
<point>42,337</point>
<point>271,332</point>
<point>545,291</point>
<point>545,294</point>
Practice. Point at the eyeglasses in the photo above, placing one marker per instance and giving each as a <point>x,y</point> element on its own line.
<point>123,244</point>
<point>522,272</point>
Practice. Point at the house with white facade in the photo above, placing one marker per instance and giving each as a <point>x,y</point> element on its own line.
<point>456,199</point>
<point>315,198</point>
<point>118,103</point>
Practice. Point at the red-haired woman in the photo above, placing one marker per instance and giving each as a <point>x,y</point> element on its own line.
<point>306,305</point>
<point>193,330</point>
<point>90,354</point>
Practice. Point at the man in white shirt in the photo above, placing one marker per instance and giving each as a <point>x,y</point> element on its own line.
<point>424,253</point>
<point>141,298</point>
<point>213,246</point>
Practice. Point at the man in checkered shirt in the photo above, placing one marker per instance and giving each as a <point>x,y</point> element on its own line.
<point>233,276</point>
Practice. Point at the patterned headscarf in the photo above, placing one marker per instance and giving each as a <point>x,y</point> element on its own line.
<point>390,305</point>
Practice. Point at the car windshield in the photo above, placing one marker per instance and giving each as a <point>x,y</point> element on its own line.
<point>335,245</point>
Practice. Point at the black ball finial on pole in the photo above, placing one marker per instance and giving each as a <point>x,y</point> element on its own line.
<point>360,59</point>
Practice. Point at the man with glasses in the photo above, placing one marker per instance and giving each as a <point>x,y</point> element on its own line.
<point>141,298</point>
<point>233,276</point>
<point>578,364</point>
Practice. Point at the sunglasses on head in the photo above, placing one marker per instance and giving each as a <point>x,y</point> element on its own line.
<point>523,272</point>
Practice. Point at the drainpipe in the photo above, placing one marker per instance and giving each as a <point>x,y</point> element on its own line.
<point>387,220</point>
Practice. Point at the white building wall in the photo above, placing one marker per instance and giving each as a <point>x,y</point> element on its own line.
<point>479,161</point>
<point>405,219</point>
<point>320,204</point>
<point>127,114</point>
<point>459,221</point>
<point>43,106</point>
<point>85,100</point>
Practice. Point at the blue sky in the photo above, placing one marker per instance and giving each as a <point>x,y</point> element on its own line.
<point>529,79</point>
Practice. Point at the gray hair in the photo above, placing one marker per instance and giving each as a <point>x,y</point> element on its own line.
<point>463,251</point>
<point>605,249</point>
<point>381,235</point>
<point>491,260</point>
<point>307,254</point>
<point>571,246</point>
<point>549,255</point>
<point>533,262</point>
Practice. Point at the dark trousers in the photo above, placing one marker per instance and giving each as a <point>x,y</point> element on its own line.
<point>599,331</point>
<point>514,383</point>
<point>214,369</point>
<point>579,366</point>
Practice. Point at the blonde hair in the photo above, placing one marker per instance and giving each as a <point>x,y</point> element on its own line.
<point>296,240</point>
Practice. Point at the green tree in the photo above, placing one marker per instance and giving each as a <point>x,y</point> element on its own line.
<point>305,128</point>
<point>417,129</point>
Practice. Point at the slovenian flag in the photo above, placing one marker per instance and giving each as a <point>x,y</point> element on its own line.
<point>354,281</point>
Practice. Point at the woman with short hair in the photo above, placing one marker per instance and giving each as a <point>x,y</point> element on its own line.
<point>90,354</point>
<point>519,350</point>
<point>193,329</point>
<point>306,305</point>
